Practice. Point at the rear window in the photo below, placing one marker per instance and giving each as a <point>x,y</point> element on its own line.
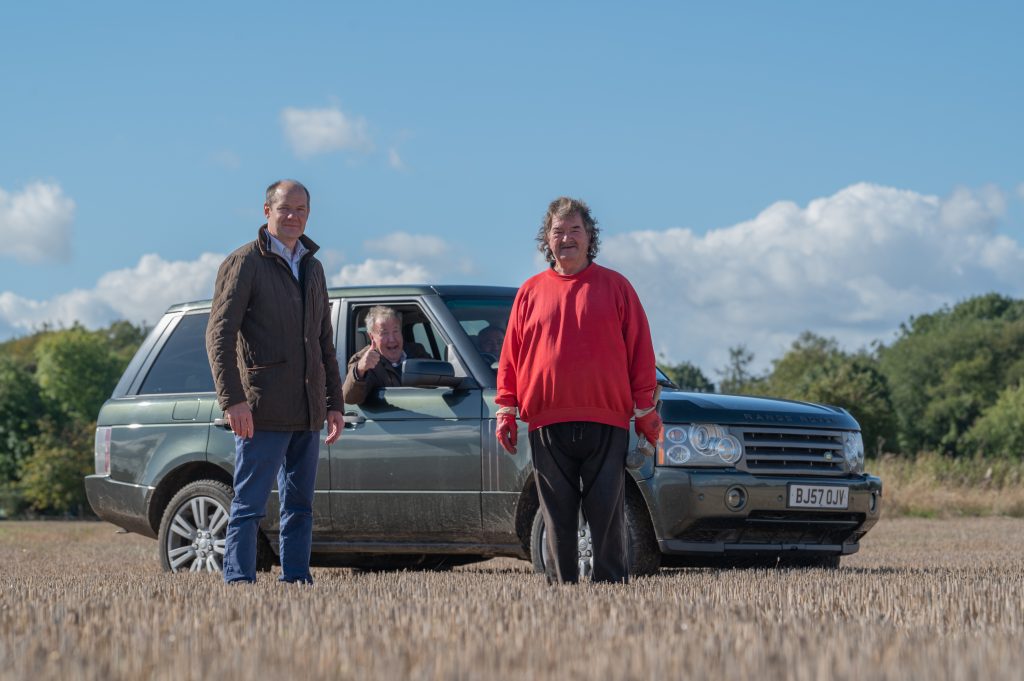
<point>182,365</point>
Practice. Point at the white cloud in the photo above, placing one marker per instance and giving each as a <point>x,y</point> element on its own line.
<point>146,290</point>
<point>382,271</point>
<point>408,259</point>
<point>330,258</point>
<point>406,246</point>
<point>139,294</point>
<point>394,160</point>
<point>853,265</point>
<point>35,224</point>
<point>143,292</point>
<point>321,131</point>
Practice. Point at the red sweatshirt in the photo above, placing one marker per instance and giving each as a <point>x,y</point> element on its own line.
<point>577,348</point>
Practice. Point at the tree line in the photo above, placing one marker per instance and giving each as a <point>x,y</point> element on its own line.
<point>951,382</point>
<point>52,385</point>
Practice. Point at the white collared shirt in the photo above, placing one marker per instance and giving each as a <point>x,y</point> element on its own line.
<point>292,257</point>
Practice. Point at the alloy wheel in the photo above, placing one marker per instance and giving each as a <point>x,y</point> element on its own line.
<point>197,535</point>
<point>584,547</point>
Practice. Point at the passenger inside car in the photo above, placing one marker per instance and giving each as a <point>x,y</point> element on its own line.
<point>414,327</point>
<point>488,341</point>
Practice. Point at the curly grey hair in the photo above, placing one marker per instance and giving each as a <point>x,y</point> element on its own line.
<point>560,208</point>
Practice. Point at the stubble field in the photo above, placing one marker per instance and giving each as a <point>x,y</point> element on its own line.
<point>937,599</point>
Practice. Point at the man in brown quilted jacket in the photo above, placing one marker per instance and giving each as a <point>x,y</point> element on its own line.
<point>271,349</point>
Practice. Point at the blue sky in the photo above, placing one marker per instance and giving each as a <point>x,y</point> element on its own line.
<point>757,168</point>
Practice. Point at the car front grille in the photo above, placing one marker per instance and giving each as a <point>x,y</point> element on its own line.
<point>792,451</point>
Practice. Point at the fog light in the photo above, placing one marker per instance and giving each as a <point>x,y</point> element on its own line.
<point>735,498</point>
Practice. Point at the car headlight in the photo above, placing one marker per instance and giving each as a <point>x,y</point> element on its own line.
<point>699,444</point>
<point>853,451</point>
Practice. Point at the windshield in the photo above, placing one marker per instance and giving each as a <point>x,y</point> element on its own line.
<point>484,321</point>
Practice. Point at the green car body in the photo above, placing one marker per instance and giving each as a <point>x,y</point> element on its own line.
<point>418,477</point>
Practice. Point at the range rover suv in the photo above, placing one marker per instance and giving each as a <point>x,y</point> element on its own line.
<point>418,479</point>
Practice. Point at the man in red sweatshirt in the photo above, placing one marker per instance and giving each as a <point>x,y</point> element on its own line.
<point>578,364</point>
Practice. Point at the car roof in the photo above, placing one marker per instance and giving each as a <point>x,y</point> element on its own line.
<point>446,290</point>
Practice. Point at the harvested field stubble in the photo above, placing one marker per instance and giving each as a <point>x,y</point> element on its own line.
<point>924,597</point>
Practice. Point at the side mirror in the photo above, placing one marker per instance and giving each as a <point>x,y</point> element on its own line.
<point>429,373</point>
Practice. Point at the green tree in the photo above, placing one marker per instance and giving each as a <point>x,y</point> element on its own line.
<point>687,376</point>
<point>21,408</point>
<point>815,369</point>
<point>1000,430</point>
<point>123,339</point>
<point>47,419</point>
<point>23,349</point>
<point>53,478</point>
<point>736,376</point>
<point>77,370</point>
<point>790,372</point>
<point>946,368</point>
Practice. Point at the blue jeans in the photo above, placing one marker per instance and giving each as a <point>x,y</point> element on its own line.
<point>292,456</point>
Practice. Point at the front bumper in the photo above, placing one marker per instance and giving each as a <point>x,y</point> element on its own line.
<point>121,503</point>
<point>691,516</point>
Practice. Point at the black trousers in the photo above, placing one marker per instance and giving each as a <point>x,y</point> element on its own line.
<point>582,462</point>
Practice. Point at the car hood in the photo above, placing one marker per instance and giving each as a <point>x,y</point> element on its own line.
<point>686,407</point>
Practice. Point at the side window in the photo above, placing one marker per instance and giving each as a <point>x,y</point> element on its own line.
<point>182,365</point>
<point>419,336</point>
<point>424,334</point>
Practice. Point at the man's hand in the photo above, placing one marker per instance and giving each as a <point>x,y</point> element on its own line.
<point>368,361</point>
<point>335,424</point>
<point>650,427</point>
<point>507,431</point>
<point>240,419</point>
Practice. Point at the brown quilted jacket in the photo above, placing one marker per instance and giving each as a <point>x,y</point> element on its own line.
<point>270,339</point>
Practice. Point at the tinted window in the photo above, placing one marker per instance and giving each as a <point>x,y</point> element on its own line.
<point>182,365</point>
<point>475,314</point>
<point>484,321</point>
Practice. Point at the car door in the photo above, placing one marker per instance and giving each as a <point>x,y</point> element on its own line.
<point>162,422</point>
<point>221,451</point>
<point>407,467</point>
<point>181,378</point>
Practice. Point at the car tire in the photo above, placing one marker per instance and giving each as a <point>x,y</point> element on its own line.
<point>194,527</point>
<point>644,555</point>
<point>537,557</point>
<point>539,549</point>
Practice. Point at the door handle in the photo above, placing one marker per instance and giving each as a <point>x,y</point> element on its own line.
<point>222,423</point>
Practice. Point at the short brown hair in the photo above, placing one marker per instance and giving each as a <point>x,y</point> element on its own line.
<point>273,188</point>
<point>560,208</point>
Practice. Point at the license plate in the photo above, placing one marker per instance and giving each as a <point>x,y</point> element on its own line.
<point>818,496</point>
